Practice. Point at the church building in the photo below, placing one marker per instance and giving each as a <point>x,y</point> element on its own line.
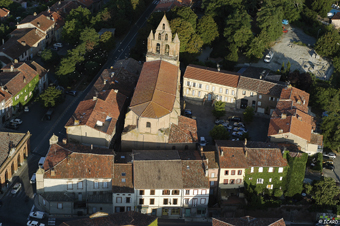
<point>154,118</point>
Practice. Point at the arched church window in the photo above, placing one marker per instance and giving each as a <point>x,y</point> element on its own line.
<point>159,36</point>
<point>163,26</point>
<point>166,37</point>
<point>158,48</point>
<point>148,125</point>
<point>167,48</point>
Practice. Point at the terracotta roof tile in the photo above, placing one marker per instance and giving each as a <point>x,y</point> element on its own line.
<point>8,140</point>
<point>38,68</point>
<point>42,22</point>
<point>248,221</point>
<point>193,174</point>
<point>233,157</point>
<point>106,110</point>
<point>248,83</point>
<point>212,159</point>
<point>184,132</point>
<point>155,92</point>
<point>78,161</point>
<point>260,86</point>
<point>157,174</point>
<point>206,74</point>
<point>265,157</point>
<point>4,12</point>
<point>298,97</point>
<point>4,95</point>
<point>122,171</point>
<point>117,219</point>
<point>316,139</point>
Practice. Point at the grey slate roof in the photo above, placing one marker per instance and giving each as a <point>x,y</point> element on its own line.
<point>6,140</point>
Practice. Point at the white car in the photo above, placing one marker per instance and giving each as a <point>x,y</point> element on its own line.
<point>26,109</point>
<point>38,214</point>
<point>330,155</point>
<point>203,142</point>
<point>34,223</point>
<point>16,188</point>
<point>225,124</point>
<point>16,121</point>
<point>58,45</point>
<point>268,57</point>
<point>33,178</point>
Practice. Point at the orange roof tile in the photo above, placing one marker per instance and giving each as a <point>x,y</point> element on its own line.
<point>4,12</point>
<point>316,139</point>
<point>155,92</point>
<point>206,74</point>
<point>265,157</point>
<point>184,132</point>
<point>122,171</point>
<point>298,97</point>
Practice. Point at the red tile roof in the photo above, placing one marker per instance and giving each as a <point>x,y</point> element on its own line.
<point>16,83</point>
<point>260,86</point>
<point>4,95</point>
<point>105,109</point>
<point>206,74</point>
<point>78,161</point>
<point>155,92</point>
<point>4,12</point>
<point>265,157</point>
<point>122,171</point>
<point>193,174</point>
<point>40,21</point>
<point>248,221</point>
<point>233,157</point>
<point>212,159</point>
<point>316,139</point>
<point>184,132</point>
<point>298,97</point>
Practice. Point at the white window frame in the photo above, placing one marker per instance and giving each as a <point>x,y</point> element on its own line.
<point>231,100</point>
<point>188,83</point>
<point>193,92</point>
<point>200,86</point>
<point>206,87</point>
<point>252,169</point>
<point>195,192</point>
<point>260,169</point>
<point>199,93</point>
<point>203,201</point>
<point>259,181</point>
<point>118,199</point>
<point>233,92</point>
<point>244,92</point>
<point>260,96</point>
<point>204,192</point>
<point>96,185</point>
<point>213,88</point>
<point>281,178</point>
<point>226,99</point>
<point>226,91</point>
<point>212,174</point>
<point>60,205</point>
<point>187,91</point>
<point>270,179</point>
<point>69,185</point>
<point>270,169</point>
<point>221,90</point>
<point>251,94</point>
<point>258,103</point>
<point>80,185</point>
<point>280,169</point>
<point>105,184</point>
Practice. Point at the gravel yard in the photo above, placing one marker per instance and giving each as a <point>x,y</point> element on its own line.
<point>302,58</point>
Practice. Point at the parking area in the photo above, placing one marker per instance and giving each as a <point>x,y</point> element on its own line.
<point>335,174</point>
<point>257,130</point>
<point>302,58</point>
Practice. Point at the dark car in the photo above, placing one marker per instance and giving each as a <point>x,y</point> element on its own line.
<point>187,113</point>
<point>328,166</point>
<point>234,119</point>
<point>71,92</point>
<point>11,126</point>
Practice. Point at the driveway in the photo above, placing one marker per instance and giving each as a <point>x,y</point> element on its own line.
<point>302,58</point>
<point>258,129</point>
<point>336,173</point>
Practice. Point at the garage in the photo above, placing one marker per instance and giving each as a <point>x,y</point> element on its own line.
<point>260,110</point>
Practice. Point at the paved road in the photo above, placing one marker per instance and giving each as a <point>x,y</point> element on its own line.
<point>15,210</point>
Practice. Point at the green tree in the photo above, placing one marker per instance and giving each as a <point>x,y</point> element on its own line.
<point>186,13</point>
<point>81,15</point>
<point>327,45</point>
<point>219,109</point>
<point>4,30</point>
<point>308,188</point>
<point>278,193</point>
<point>195,44</point>
<point>219,132</point>
<point>50,56</point>
<point>90,37</point>
<point>50,97</point>
<point>107,41</point>
<point>331,129</point>
<point>184,30</point>
<point>324,192</point>
<point>5,3</point>
<point>207,29</point>
<point>296,174</point>
<point>321,7</point>
<point>248,115</point>
<point>238,28</point>
<point>71,31</point>
<point>292,10</point>
<point>336,63</point>
<point>324,97</point>
<point>232,54</point>
<point>258,45</point>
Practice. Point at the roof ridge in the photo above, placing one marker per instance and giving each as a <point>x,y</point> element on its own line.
<point>62,159</point>
<point>160,106</point>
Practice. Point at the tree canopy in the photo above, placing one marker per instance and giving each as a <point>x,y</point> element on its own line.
<point>186,13</point>
<point>219,109</point>
<point>324,192</point>
<point>207,29</point>
<point>50,97</point>
<point>248,114</point>
<point>219,132</point>
<point>328,44</point>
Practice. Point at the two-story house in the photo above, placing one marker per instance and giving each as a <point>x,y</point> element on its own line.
<point>255,164</point>
<point>291,122</point>
<point>122,185</point>
<point>260,94</point>
<point>154,118</point>
<point>75,179</point>
<point>203,83</point>
<point>14,148</point>
<point>210,158</point>
<point>20,79</point>
<point>95,120</point>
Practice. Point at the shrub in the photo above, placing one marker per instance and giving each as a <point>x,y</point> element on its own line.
<point>278,193</point>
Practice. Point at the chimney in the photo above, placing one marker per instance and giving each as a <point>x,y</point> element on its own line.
<point>218,67</point>
<point>201,151</point>
<point>221,152</point>
<point>283,116</point>
<point>76,122</point>
<point>15,61</point>
<point>2,88</point>
<point>91,146</point>
<point>116,90</point>
<point>47,17</point>
<point>52,172</point>
<point>34,14</point>
<point>65,141</point>
<point>112,74</point>
<point>38,24</point>
<point>104,81</point>
<point>3,41</point>
<point>52,18</point>
<point>12,68</point>
<point>245,142</point>
<point>24,79</point>
<point>23,43</point>
<point>260,76</point>
<point>94,98</point>
<point>304,102</point>
<point>48,10</point>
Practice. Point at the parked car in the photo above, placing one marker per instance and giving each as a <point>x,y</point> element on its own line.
<point>11,126</point>
<point>33,179</point>
<point>16,121</point>
<point>238,124</point>
<point>269,57</point>
<point>34,223</point>
<point>26,109</point>
<point>59,45</point>
<point>203,142</point>
<point>229,127</point>
<point>328,166</point>
<point>234,119</point>
<point>188,113</point>
<point>329,155</point>
<point>38,214</point>
<point>219,121</point>
<point>226,124</point>
<point>242,129</point>
<point>16,188</point>
<point>71,92</point>
<point>237,134</point>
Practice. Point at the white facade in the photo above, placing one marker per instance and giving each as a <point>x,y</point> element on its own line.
<point>78,185</point>
<point>195,202</point>
<point>123,202</point>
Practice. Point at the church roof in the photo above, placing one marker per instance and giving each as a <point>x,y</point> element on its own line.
<point>155,92</point>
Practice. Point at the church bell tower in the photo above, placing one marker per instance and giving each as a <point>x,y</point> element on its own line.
<point>161,45</point>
